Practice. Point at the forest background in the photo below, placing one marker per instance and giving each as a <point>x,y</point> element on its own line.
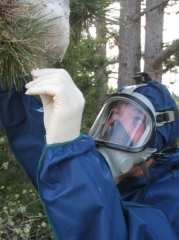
<point>97,28</point>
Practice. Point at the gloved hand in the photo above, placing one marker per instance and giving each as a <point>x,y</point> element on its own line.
<point>62,101</point>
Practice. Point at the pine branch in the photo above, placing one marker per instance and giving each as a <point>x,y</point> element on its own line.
<point>20,27</point>
<point>167,53</point>
<point>135,19</point>
<point>85,13</point>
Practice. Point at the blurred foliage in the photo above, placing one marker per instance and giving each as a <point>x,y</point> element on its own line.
<point>86,13</point>
<point>112,90</point>
<point>176,98</point>
<point>172,63</point>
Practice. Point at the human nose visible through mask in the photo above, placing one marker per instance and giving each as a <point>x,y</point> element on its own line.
<point>116,133</point>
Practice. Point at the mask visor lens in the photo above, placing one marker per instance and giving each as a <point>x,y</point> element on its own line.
<point>124,123</point>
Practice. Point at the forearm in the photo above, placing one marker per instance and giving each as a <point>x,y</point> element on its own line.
<point>22,120</point>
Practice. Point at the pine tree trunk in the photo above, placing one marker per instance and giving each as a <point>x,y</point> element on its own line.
<point>100,75</point>
<point>153,38</point>
<point>129,38</point>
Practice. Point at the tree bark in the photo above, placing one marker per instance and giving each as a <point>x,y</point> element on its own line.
<point>153,38</point>
<point>149,9</point>
<point>129,38</point>
<point>100,75</point>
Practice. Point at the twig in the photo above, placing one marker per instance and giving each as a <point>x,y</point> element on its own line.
<point>148,10</point>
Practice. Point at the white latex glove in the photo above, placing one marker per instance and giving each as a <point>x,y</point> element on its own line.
<point>62,101</point>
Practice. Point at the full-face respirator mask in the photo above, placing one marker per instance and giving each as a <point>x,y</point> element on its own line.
<point>125,128</point>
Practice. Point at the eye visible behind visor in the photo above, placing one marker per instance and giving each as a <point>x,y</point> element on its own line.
<point>125,123</point>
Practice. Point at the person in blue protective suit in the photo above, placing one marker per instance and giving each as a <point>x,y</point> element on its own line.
<point>119,182</point>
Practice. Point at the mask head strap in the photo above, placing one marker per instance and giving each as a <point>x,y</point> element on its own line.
<point>147,178</point>
<point>161,117</point>
<point>166,117</point>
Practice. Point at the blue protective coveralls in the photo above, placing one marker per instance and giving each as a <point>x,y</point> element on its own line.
<point>76,187</point>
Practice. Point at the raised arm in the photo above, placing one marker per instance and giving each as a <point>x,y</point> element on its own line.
<point>75,184</point>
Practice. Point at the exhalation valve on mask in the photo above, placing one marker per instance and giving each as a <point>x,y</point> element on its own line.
<point>120,162</point>
<point>116,133</point>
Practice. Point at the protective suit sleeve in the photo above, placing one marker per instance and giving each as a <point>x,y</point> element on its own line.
<point>79,194</point>
<point>81,200</point>
<point>22,119</point>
